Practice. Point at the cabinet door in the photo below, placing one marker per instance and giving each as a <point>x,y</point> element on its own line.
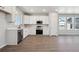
<point>11,37</point>
<point>26,20</point>
<point>35,19</point>
<point>25,33</point>
<point>44,19</point>
<point>32,19</point>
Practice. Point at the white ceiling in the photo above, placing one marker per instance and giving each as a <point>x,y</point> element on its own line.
<point>37,9</point>
<point>47,9</point>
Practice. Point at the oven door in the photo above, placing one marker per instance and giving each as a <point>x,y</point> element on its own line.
<point>39,32</point>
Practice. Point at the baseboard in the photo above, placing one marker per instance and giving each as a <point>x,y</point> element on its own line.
<point>3,46</point>
<point>53,35</point>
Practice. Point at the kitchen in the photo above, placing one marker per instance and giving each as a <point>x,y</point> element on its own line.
<point>20,25</point>
<point>9,33</point>
<point>43,28</point>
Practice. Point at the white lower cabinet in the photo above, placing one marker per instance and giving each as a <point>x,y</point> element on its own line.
<point>25,33</point>
<point>11,37</point>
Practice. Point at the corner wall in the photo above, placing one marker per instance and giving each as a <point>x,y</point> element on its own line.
<point>53,26</point>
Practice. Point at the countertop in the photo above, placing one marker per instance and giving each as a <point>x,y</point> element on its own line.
<point>14,28</point>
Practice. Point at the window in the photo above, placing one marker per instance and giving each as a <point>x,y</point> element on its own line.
<point>70,23</point>
<point>62,21</point>
<point>77,22</point>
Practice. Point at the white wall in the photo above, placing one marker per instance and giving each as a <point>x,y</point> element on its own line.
<point>3,27</point>
<point>53,20</point>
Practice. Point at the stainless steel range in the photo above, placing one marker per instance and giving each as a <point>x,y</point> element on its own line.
<point>39,30</point>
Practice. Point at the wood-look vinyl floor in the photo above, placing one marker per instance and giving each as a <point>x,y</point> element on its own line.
<point>40,43</point>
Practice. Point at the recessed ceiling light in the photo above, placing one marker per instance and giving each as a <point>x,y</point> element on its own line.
<point>44,10</point>
<point>56,9</point>
<point>32,10</point>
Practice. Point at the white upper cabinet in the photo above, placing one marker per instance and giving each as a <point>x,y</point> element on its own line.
<point>44,19</point>
<point>26,19</point>
<point>33,19</point>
